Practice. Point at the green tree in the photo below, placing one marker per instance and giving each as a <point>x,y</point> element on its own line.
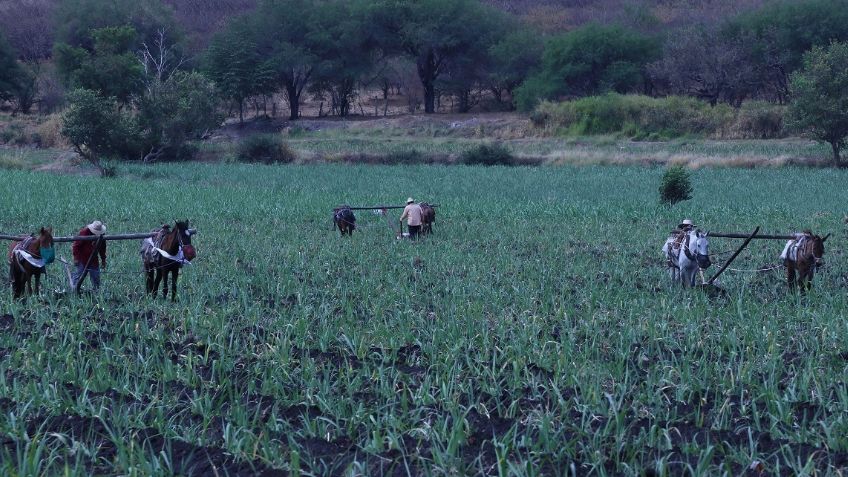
<point>236,65</point>
<point>819,89</point>
<point>778,34</point>
<point>470,71</point>
<point>97,128</point>
<point>591,60</point>
<point>75,20</point>
<point>110,67</point>
<point>284,30</point>
<point>340,39</point>
<point>515,57</point>
<point>11,73</point>
<point>174,111</point>
<point>435,33</point>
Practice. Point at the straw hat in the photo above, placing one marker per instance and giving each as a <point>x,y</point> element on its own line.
<point>97,227</point>
<point>686,222</point>
<point>409,200</point>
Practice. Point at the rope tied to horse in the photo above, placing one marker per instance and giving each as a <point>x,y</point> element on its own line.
<point>756,270</point>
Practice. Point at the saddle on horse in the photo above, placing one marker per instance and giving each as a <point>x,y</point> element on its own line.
<point>673,245</point>
<point>20,252</point>
<point>790,251</point>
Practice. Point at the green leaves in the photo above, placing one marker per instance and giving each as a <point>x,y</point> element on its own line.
<point>820,96</point>
<point>676,185</point>
<point>11,74</point>
<point>111,67</point>
<point>590,60</point>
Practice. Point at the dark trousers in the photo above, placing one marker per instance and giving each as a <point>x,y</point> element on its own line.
<point>93,272</point>
<point>414,231</point>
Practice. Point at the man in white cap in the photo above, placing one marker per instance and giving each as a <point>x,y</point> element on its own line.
<point>412,213</point>
<point>84,253</point>
<point>686,225</point>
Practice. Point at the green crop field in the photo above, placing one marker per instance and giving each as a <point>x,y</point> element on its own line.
<point>534,333</point>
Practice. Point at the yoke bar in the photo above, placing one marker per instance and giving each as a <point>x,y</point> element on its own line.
<point>379,207</point>
<point>91,238</point>
<point>757,236</point>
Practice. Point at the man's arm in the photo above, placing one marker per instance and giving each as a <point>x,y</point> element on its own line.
<point>103,253</point>
<point>405,213</point>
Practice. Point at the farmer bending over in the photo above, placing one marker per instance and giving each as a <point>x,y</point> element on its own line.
<point>412,213</point>
<point>84,249</point>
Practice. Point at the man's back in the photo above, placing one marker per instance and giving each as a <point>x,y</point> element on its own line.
<point>413,214</point>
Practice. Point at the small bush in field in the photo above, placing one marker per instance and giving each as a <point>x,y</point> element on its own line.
<point>676,185</point>
<point>265,149</point>
<point>488,155</point>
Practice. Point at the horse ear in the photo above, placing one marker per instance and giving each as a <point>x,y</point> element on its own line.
<point>42,231</point>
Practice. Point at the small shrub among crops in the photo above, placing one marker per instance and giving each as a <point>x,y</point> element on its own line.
<point>265,149</point>
<point>676,185</point>
<point>488,155</point>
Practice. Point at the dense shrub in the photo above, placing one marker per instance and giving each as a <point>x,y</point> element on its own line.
<point>488,155</point>
<point>758,120</point>
<point>676,185</point>
<point>266,149</point>
<point>642,117</point>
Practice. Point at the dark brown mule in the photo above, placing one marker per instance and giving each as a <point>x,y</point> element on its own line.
<point>177,248</point>
<point>344,219</point>
<point>428,217</point>
<point>21,270</point>
<point>803,257</point>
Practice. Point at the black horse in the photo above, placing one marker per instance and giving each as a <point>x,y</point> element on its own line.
<point>344,219</point>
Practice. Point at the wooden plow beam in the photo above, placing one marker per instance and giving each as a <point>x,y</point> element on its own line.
<point>735,254</point>
<point>91,238</point>
<point>745,236</point>
<point>380,207</point>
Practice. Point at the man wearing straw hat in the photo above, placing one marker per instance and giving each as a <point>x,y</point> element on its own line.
<point>412,213</point>
<point>83,251</point>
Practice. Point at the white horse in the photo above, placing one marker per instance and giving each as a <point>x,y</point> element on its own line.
<point>687,253</point>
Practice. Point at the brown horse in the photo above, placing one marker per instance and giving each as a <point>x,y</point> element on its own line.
<point>803,256</point>
<point>166,253</point>
<point>344,219</point>
<point>22,268</point>
<point>428,217</point>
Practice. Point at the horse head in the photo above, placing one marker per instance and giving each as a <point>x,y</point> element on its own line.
<point>818,249</point>
<point>45,245</point>
<point>699,246</point>
<point>184,240</point>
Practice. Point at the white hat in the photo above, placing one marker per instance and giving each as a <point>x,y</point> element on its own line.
<point>409,200</point>
<point>97,227</point>
<point>686,222</point>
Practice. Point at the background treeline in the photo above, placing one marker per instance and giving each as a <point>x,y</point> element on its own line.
<point>165,71</point>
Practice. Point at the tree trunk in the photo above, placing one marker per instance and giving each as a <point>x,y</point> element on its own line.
<point>294,101</point>
<point>837,160</point>
<point>427,73</point>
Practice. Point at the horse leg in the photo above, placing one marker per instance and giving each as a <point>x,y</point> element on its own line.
<point>15,279</point>
<point>37,283</point>
<point>158,274</point>
<point>176,273</point>
<point>28,281</point>
<point>148,280</point>
<point>807,280</point>
<point>165,283</point>
<point>790,276</point>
